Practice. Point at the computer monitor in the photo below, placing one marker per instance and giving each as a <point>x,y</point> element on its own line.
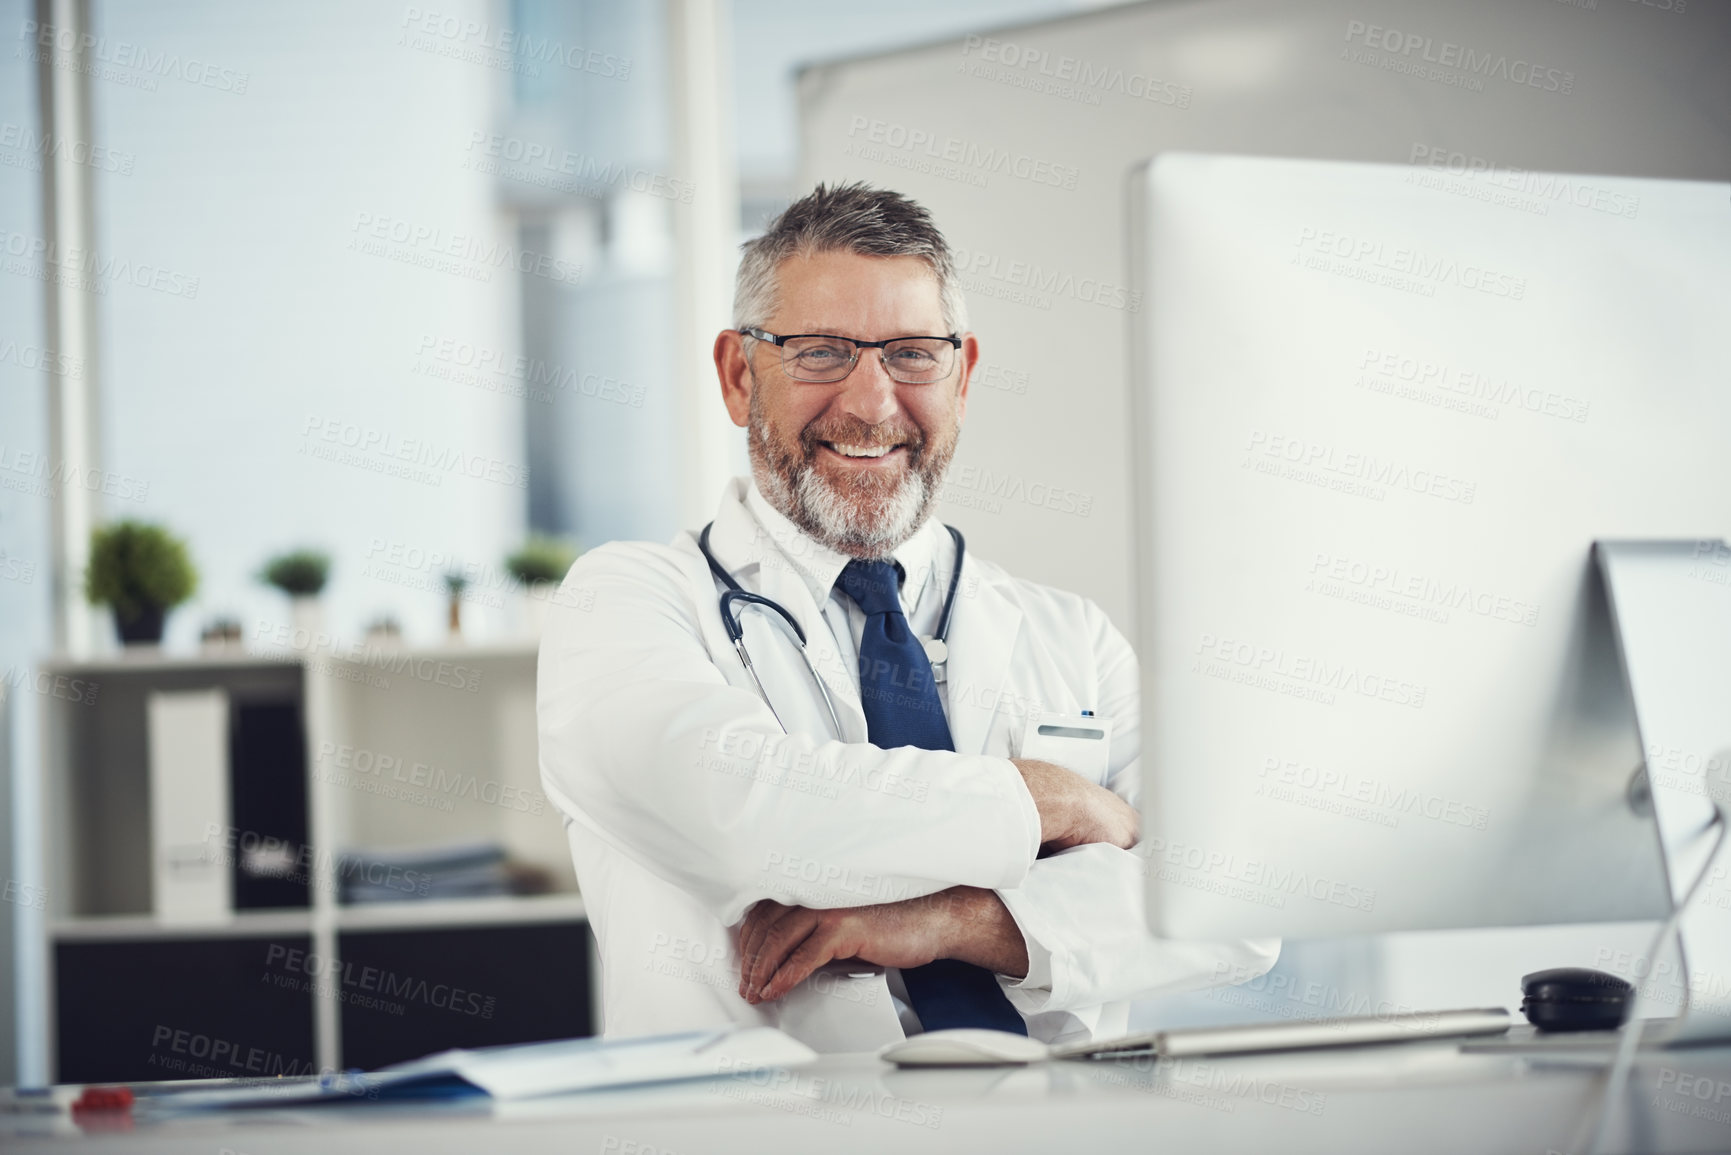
<point>1381,415</point>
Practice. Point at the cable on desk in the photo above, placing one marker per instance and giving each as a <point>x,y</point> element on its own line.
<point>1629,1033</point>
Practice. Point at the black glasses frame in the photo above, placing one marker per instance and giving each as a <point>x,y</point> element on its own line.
<point>764,335</point>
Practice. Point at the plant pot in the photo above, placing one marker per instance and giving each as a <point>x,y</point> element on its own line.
<point>142,630</point>
<point>307,616</point>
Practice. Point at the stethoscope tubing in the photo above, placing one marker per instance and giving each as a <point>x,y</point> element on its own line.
<point>937,648</point>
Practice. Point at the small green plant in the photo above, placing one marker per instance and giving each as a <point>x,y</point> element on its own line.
<point>542,559</point>
<point>298,573</point>
<point>141,570</point>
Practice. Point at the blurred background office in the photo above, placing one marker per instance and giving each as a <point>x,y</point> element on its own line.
<point>409,285</point>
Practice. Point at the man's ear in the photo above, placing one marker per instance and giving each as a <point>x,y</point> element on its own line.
<point>970,359</point>
<point>735,374</point>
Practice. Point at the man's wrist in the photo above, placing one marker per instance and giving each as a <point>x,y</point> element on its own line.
<point>1051,806</point>
<point>978,928</point>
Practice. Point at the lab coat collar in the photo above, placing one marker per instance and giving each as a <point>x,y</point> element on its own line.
<point>770,554</point>
<point>982,644</point>
<point>820,566</point>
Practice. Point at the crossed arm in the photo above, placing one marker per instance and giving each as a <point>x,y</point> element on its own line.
<point>781,946</point>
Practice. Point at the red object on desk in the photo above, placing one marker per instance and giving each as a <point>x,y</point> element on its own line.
<point>104,1099</point>
<point>102,1109</point>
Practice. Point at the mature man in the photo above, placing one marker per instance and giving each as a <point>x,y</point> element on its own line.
<point>813,827</point>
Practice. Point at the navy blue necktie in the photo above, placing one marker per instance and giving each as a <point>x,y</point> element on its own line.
<point>902,709</point>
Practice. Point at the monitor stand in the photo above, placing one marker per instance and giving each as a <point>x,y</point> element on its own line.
<point>1670,612</point>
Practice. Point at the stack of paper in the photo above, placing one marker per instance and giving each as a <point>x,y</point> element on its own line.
<point>460,870</point>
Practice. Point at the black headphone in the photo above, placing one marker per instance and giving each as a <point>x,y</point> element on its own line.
<point>1576,999</point>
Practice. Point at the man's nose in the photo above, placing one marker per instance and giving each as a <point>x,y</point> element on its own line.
<point>869,393</point>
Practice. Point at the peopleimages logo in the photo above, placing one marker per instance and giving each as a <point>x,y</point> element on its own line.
<point>1419,589</point>
<point>1025,282</point>
<point>1344,786</point>
<point>46,145</point>
<point>1193,859</point>
<point>1315,462</point>
<point>415,458</point>
<point>1068,77</point>
<point>41,360</point>
<point>1219,656</point>
<point>89,269</point>
<point>1539,186</point>
<point>410,242</point>
<point>470,363</point>
<point>37,475</point>
<point>968,154</point>
<point>1420,267</point>
<point>1410,46</point>
<point>85,48</point>
<point>449,35</point>
<point>1468,385</point>
<point>543,165</point>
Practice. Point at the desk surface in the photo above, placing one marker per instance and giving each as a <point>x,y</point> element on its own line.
<point>1413,1097</point>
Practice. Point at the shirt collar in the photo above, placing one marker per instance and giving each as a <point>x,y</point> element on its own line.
<point>818,566</point>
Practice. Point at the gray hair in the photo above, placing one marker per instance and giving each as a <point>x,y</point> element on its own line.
<point>852,218</point>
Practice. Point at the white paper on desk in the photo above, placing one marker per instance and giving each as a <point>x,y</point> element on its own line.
<point>529,1069</point>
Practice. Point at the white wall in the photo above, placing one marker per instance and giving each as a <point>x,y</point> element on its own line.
<point>260,194</point>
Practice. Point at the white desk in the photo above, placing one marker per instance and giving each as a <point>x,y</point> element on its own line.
<point>1409,1098</point>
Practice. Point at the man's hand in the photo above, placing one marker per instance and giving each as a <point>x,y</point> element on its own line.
<point>1074,811</point>
<point>781,946</point>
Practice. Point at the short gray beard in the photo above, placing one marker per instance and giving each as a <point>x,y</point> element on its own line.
<point>868,529</point>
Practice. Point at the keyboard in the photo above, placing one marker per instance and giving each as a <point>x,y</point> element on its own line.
<point>1294,1035</point>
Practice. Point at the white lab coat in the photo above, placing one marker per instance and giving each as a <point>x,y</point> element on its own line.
<point>685,803</point>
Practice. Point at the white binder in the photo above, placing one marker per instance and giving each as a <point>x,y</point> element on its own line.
<point>191,872</point>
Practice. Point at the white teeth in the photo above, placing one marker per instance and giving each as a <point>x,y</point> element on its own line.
<point>862,451</point>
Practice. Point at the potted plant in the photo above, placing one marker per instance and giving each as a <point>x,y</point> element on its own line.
<point>221,633</point>
<point>384,632</point>
<point>141,571</point>
<point>455,583</point>
<point>540,566</point>
<point>301,574</point>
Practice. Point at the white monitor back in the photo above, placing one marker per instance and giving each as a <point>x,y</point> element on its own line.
<point>1380,420</point>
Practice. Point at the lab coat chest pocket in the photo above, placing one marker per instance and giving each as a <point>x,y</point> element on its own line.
<point>1080,743</point>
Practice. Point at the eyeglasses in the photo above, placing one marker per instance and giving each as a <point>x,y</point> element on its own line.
<point>820,359</point>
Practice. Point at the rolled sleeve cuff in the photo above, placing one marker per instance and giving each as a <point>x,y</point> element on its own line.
<point>1031,993</point>
<point>1030,812</point>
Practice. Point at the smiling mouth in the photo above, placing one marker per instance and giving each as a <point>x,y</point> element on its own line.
<point>860,452</point>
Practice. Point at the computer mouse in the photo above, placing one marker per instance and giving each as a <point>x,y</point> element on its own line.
<point>964,1047</point>
<point>1575,999</point>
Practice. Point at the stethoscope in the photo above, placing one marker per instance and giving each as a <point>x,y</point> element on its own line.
<point>936,647</point>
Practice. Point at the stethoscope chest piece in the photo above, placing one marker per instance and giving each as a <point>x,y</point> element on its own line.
<point>937,653</point>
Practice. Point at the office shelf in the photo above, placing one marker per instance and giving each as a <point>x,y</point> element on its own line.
<point>462,912</point>
<point>406,747</point>
<point>142,926</point>
<point>150,659</point>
